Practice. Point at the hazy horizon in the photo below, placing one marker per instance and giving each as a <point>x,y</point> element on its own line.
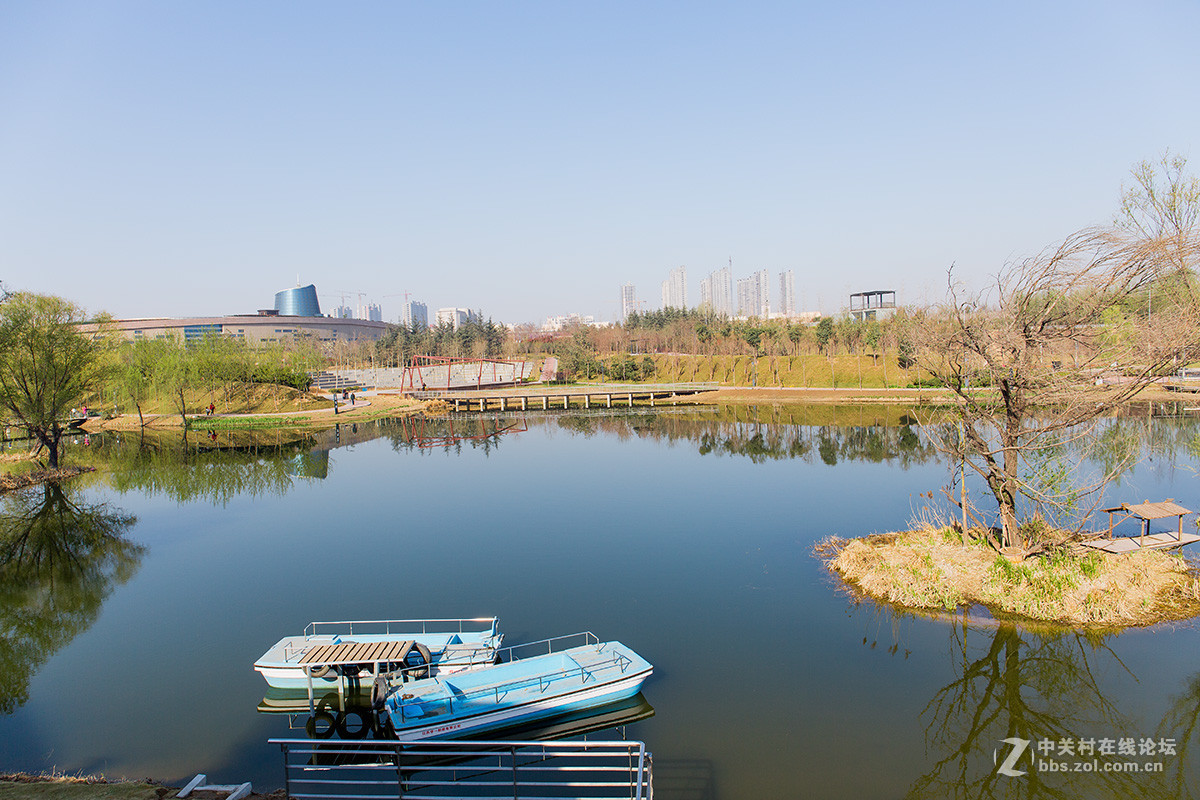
<point>529,159</point>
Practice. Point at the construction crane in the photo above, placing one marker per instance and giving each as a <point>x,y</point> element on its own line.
<point>344,293</point>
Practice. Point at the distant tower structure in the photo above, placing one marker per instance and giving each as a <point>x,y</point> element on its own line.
<point>754,295</point>
<point>300,301</point>
<point>458,316</point>
<point>415,313</point>
<point>723,291</point>
<point>343,312</point>
<point>787,293</point>
<point>674,289</point>
<point>628,300</point>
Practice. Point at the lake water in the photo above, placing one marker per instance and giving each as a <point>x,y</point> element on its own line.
<point>127,643</point>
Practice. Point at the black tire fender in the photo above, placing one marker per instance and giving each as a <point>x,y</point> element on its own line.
<point>418,671</point>
<point>310,727</point>
<point>319,671</point>
<point>364,724</point>
<point>379,692</point>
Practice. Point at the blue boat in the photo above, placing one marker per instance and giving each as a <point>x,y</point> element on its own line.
<point>536,681</point>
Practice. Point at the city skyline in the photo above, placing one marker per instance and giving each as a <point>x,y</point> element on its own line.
<point>184,160</point>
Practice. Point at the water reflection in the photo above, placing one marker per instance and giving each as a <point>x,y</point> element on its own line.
<point>59,560</point>
<point>1061,692</point>
<point>185,471</point>
<point>257,463</point>
<point>355,719</point>
<point>479,431</point>
<point>1010,683</point>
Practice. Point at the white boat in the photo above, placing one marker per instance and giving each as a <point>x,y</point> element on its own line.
<point>555,678</point>
<point>361,650</point>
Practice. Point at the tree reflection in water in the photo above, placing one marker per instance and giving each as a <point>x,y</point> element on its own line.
<point>59,560</point>
<point>1014,683</point>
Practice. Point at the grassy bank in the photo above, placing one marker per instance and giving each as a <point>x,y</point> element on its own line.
<point>933,569</point>
<point>26,786</point>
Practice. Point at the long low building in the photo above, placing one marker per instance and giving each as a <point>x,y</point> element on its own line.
<point>264,328</point>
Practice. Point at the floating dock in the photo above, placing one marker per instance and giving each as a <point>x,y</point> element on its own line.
<point>1144,513</point>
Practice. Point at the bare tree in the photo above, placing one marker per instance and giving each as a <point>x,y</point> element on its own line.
<point>1162,203</point>
<point>1033,360</point>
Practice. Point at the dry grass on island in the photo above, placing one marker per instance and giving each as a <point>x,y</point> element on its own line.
<point>930,568</point>
<point>27,786</point>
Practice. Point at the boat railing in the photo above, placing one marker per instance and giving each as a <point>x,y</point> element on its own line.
<point>387,627</point>
<point>383,770</point>
<point>542,647</point>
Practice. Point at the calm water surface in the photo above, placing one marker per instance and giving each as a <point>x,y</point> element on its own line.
<point>134,602</point>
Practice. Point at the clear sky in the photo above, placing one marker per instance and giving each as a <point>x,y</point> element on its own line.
<point>528,158</point>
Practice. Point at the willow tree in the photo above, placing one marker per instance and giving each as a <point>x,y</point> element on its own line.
<point>1031,364</point>
<point>46,365</point>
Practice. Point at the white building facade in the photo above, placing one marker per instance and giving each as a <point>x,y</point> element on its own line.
<point>674,289</point>
<point>754,295</point>
<point>628,300</point>
<point>787,293</point>
<point>414,312</point>
<point>716,292</point>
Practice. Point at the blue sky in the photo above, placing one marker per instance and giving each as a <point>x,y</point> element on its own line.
<point>527,159</point>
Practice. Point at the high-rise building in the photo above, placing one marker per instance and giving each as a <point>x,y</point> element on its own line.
<point>457,316</point>
<point>343,312</point>
<point>674,289</point>
<point>787,293</point>
<point>370,311</point>
<point>414,312</point>
<point>754,295</point>
<point>716,292</point>
<point>628,300</point>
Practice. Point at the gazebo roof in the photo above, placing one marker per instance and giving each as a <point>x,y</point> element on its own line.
<point>1148,510</point>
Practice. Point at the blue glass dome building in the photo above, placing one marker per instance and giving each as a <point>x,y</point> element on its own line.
<point>298,302</point>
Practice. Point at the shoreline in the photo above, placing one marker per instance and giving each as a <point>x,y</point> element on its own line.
<point>43,786</point>
<point>931,571</point>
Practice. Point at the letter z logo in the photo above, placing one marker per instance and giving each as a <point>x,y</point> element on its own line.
<point>1006,767</point>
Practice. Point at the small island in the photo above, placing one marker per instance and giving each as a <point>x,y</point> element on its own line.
<point>932,569</point>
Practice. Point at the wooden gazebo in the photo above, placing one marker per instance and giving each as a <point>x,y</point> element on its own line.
<point>1145,512</point>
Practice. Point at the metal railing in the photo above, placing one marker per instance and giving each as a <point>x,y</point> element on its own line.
<point>401,626</point>
<point>576,390</point>
<point>439,770</point>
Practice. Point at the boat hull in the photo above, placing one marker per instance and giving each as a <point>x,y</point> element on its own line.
<point>530,712</point>
<point>517,691</point>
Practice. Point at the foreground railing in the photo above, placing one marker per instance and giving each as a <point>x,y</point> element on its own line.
<point>439,770</point>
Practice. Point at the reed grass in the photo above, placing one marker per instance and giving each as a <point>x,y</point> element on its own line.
<point>930,568</point>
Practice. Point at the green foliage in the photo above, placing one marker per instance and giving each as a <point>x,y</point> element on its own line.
<point>472,339</point>
<point>624,368</point>
<point>657,320</point>
<point>59,559</point>
<point>46,366</point>
<point>824,331</point>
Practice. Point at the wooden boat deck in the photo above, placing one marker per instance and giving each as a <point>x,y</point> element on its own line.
<point>357,653</point>
<point>1128,544</point>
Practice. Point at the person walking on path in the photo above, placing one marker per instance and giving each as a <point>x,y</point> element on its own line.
<point>352,398</point>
